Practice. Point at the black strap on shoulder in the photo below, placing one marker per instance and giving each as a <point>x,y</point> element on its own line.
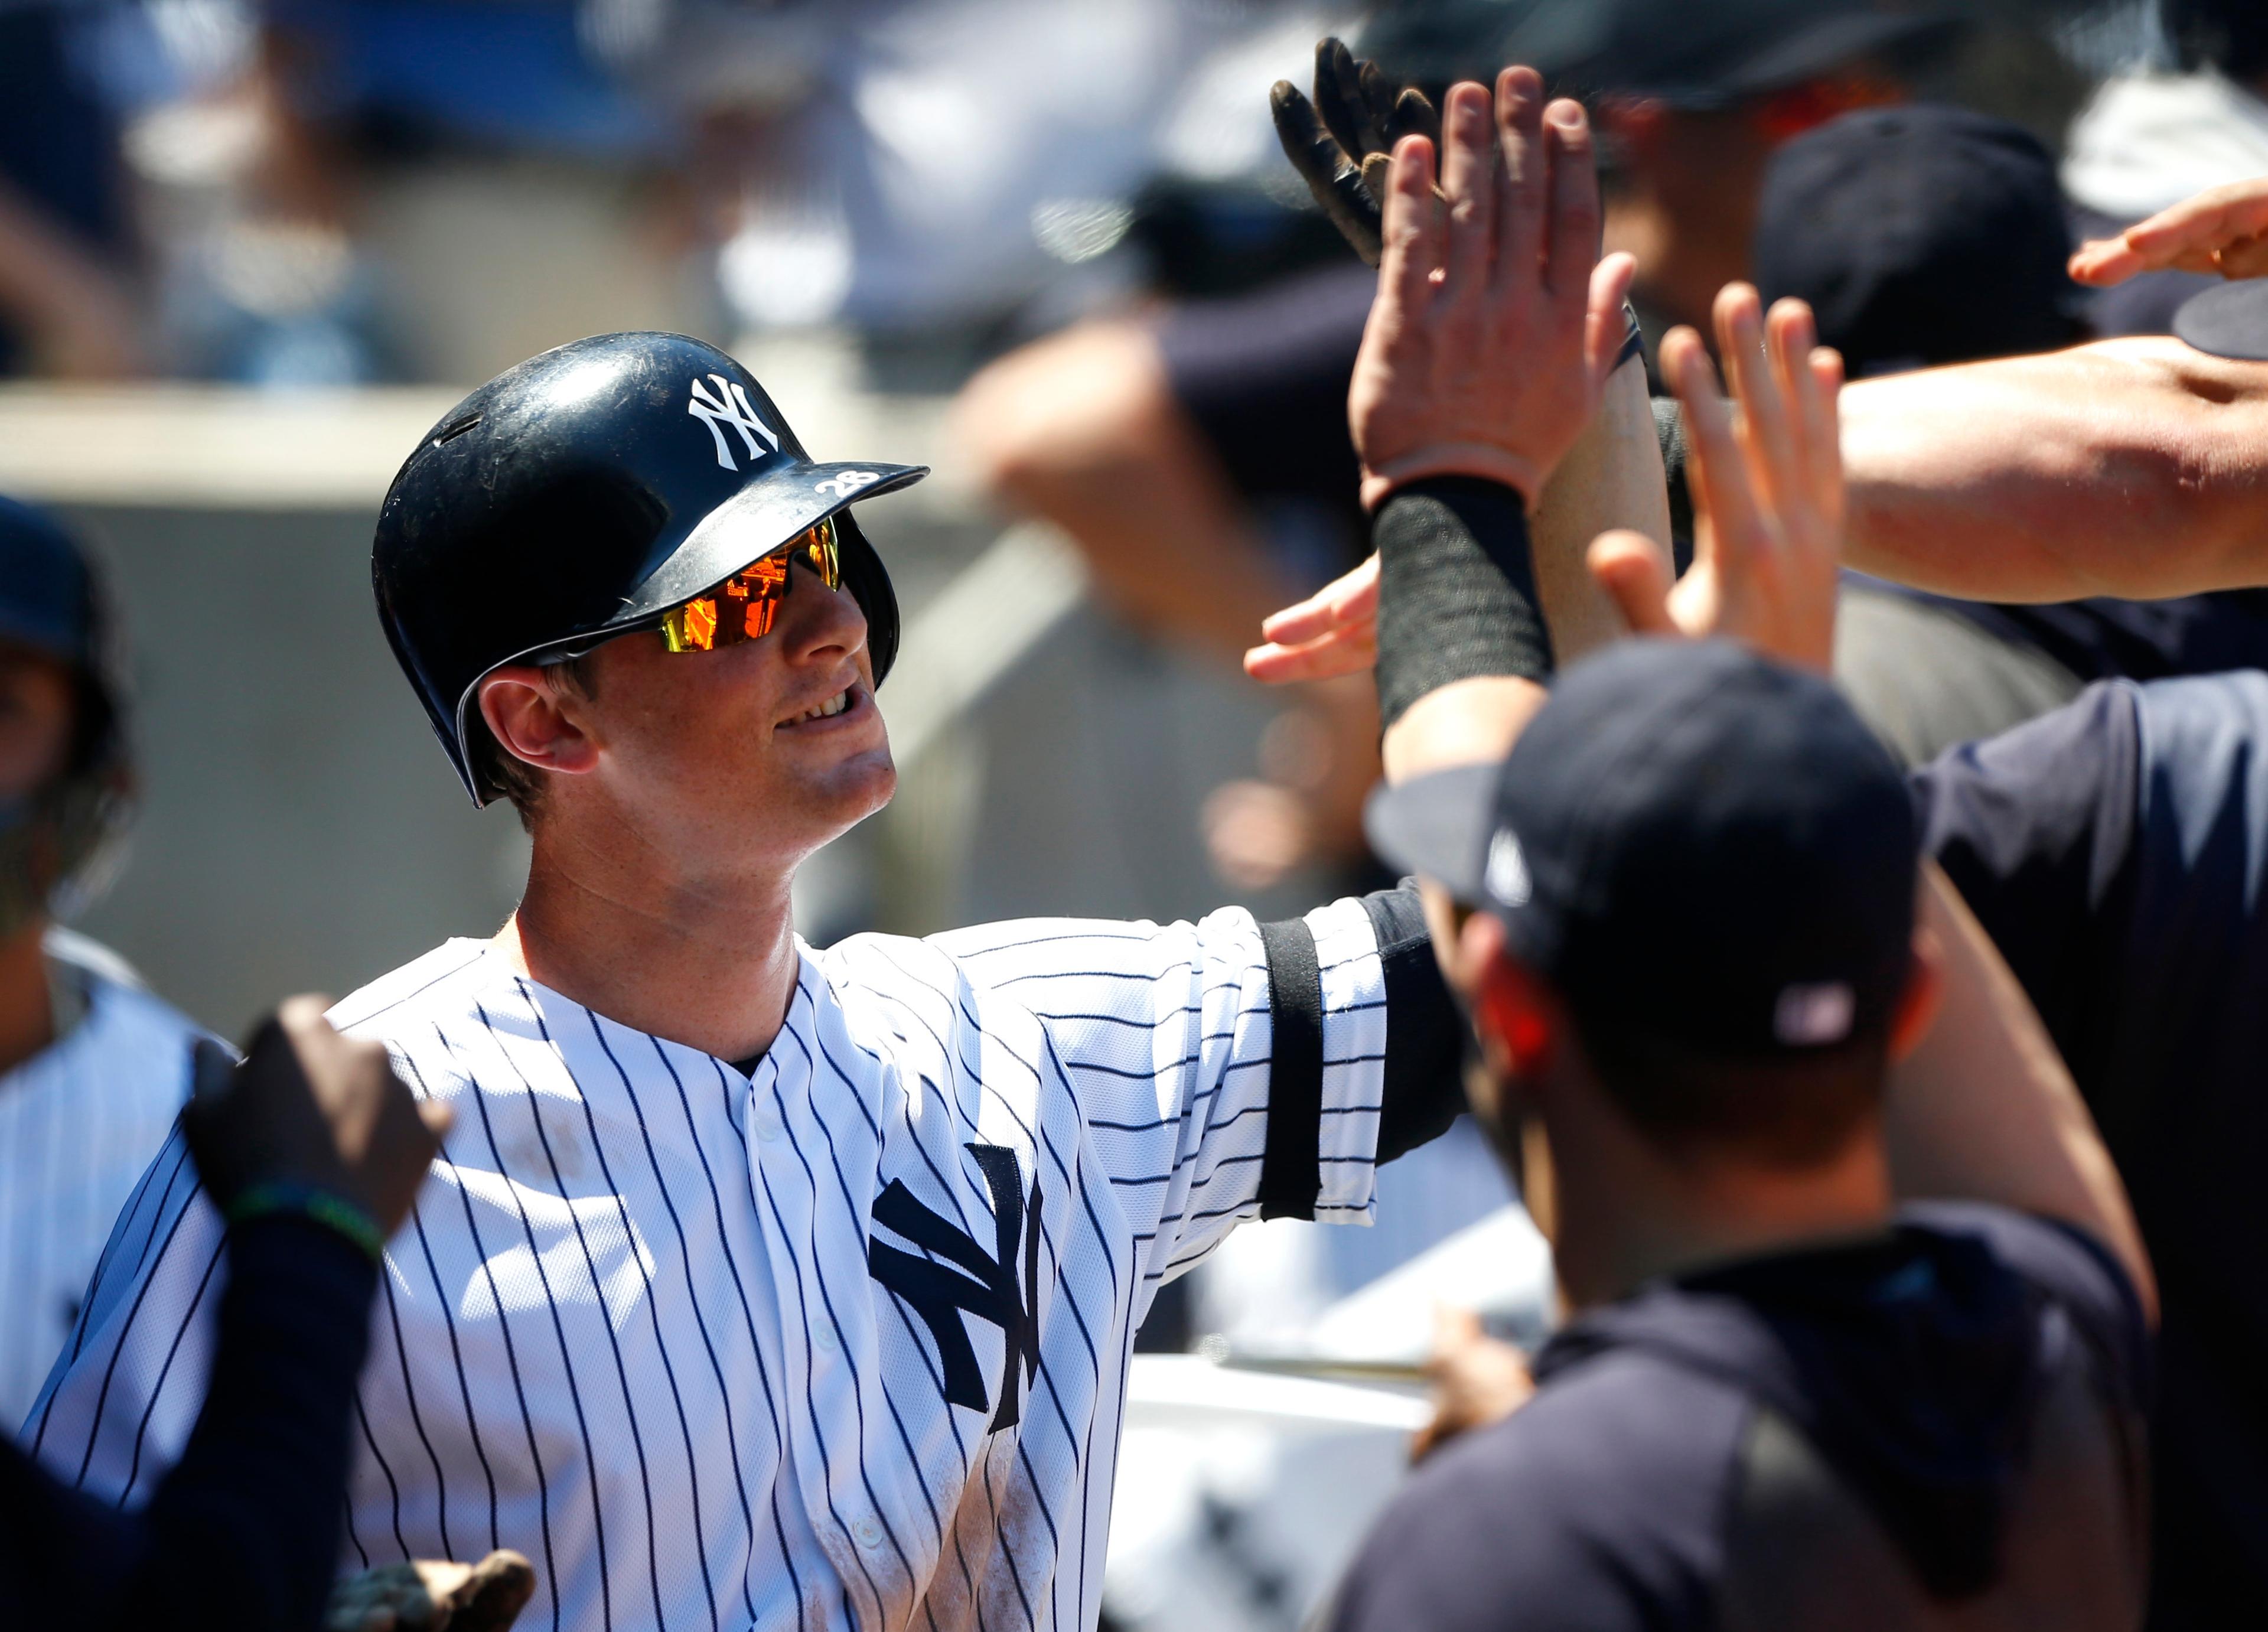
<point>1290,1170</point>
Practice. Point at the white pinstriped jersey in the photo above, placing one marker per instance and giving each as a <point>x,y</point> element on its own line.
<point>841,1345</point>
<point>79,1123</point>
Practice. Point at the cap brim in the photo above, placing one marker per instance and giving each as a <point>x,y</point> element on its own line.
<point>762,517</point>
<point>1438,827</point>
<point>2231,321</point>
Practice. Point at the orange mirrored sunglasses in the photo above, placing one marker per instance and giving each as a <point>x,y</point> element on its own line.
<point>745,606</point>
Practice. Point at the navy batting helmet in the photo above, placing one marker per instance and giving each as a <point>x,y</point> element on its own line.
<point>582,494</point>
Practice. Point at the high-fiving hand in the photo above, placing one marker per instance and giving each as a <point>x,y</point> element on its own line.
<point>1767,485</point>
<point>1496,324</point>
<point>1768,500</point>
<point>1340,142</point>
<point>2223,229</point>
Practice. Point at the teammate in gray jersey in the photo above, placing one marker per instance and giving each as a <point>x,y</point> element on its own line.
<point>92,1068</point>
<point>760,1285</point>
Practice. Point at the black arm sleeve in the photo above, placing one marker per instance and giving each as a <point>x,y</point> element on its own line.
<point>243,1531</point>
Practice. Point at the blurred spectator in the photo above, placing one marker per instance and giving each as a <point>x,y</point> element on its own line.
<point>504,189</point>
<point>67,305</point>
<point>1930,235</point>
<point>1692,102</point>
<point>2152,138</point>
<point>92,1068</point>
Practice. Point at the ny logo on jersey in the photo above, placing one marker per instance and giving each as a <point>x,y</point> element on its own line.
<point>728,405</point>
<point>939,1295</point>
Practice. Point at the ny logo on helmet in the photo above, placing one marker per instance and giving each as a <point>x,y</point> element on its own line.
<point>728,405</point>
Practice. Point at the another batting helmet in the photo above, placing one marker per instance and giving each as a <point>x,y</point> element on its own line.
<point>60,845</point>
<point>584,494</point>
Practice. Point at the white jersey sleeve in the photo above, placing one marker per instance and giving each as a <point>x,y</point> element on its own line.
<point>127,1388</point>
<point>1167,1038</point>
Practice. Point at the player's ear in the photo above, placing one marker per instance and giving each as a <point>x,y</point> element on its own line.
<point>1923,996</point>
<point>1632,125</point>
<point>532,718</point>
<point>1514,1013</point>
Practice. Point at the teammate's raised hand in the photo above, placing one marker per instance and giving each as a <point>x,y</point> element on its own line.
<point>1339,142</point>
<point>2223,229</point>
<point>1767,490</point>
<point>1496,324</point>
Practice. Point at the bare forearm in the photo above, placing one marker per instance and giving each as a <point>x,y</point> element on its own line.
<point>1985,1110</point>
<point>2131,467</point>
<point>1611,478</point>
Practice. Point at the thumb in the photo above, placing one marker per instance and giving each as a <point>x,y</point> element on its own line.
<point>1629,566</point>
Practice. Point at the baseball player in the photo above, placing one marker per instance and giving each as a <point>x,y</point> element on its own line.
<point>92,1068</point>
<point>760,1285</point>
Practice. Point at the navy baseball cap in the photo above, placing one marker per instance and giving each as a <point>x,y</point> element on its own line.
<point>1921,235</point>
<point>47,591</point>
<point>1704,852</point>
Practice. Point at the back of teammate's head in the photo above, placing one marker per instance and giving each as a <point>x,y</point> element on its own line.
<point>1711,862</point>
<point>1919,236</point>
<point>57,836</point>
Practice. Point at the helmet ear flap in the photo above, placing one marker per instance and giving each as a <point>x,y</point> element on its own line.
<point>869,584</point>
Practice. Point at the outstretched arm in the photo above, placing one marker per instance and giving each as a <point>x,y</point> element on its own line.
<point>2132,467</point>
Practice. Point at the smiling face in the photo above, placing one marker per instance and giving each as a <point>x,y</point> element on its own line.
<point>750,756</point>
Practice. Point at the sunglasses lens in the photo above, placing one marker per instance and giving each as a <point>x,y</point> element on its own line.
<point>745,606</point>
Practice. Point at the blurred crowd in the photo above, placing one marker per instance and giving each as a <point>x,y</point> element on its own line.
<point>1077,219</point>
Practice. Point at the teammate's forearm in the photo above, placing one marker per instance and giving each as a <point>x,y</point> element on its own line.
<point>1611,478</point>
<point>1984,1109</point>
<point>252,1514</point>
<point>2131,467</point>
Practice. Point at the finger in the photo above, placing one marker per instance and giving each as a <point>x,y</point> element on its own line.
<point>1469,184</point>
<point>1347,651</point>
<point>2217,216</point>
<point>1377,104</point>
<point>1521,171</point>
<point>1351,595</point>
<point>1811,398</point>
<point>1790,336</point>
<point>2104,262</point>
<point>1571,247</point>
<point>1823,405</point>
<point>1629,566</point>
<point>1338,96</point>
<point>2248,258</point>
<point>438,1118</point>
<point>1414,115</point>
<point>1605,328</point>
<point>1412,237</point>
<point>1763,409</point>
<point>1330,174</point>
